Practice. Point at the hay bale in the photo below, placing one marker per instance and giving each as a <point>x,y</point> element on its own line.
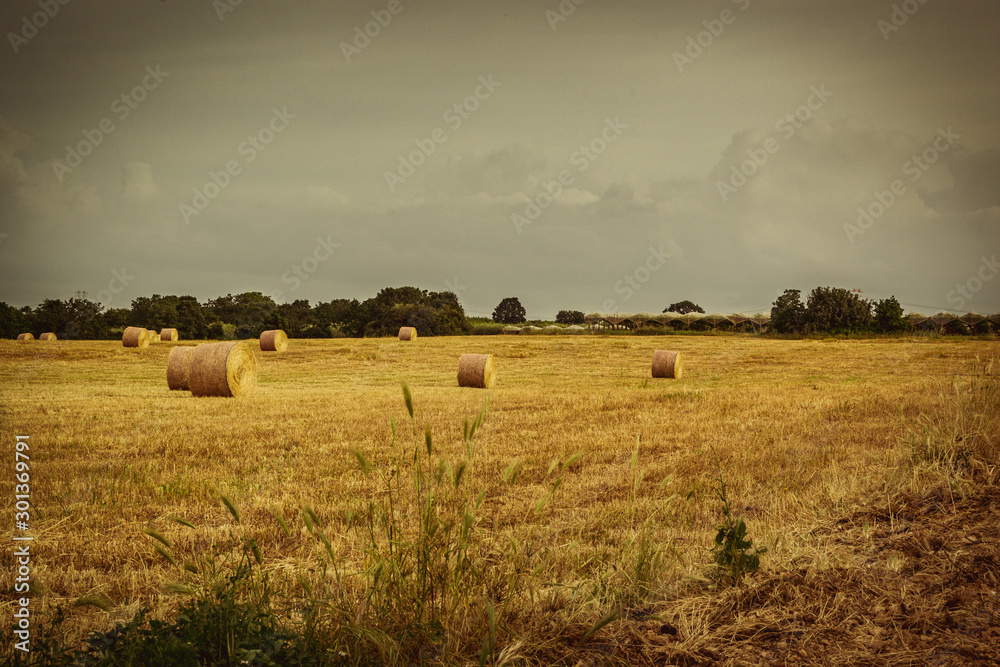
<point>135,337</point>
<point>152,336</point>
<point>26,336</point>
<point>48,336</point>
<point>168,334</point>
<point>407,333</point>
<point>222,369</point>
<point>667,364</point>
<point>179,368</point>
<point>477,370</point>
<point>274,341</point>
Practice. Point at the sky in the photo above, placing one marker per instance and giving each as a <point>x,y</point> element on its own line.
<point>584,154</point>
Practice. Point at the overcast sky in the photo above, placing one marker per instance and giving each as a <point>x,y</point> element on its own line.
<point>713,151</point>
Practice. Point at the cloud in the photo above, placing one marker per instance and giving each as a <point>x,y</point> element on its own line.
<point>976,183</point>
<point>498,173</point>
<point>29,192</point>
<point>138,186</point>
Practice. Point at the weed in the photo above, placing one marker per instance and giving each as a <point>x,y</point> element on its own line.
<point>731,551</point>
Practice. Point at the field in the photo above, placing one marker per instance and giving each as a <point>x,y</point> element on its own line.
<point>867,468</point>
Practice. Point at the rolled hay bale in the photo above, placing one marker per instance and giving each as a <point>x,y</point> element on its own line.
<point>26,336</point>
<point>274,341</point>
<point>179,368</point>
<point>222,369</point>
<point>135,337</point>
<point>168,334</point>
<point>407,333</point>
<point>152,336</point>
<point>48,335</point>
<point>667,364</point>
<point>477,370</point>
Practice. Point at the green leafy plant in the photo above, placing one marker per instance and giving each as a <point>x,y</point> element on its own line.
<point>732,549</point>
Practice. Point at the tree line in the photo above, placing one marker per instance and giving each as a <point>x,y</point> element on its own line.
<point>244,315</point>
<point>826,310</point>
<point>835,310</point>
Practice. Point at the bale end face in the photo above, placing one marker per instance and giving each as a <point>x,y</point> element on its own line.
<point>477,370</point>
<point>273,341</point>
<point>222,369</point>
<point>667,364</point>
<point>407,333</point>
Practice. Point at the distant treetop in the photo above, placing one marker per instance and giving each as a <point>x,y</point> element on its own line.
<point>684,307</point>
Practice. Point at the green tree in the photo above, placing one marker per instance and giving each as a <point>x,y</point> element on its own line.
<point>190,322</point>
<point>342,314</point>
<point>12,321</point>
<point>570,317</point>
<point>298,317</point>
<point>684,307</point>
<point>432,313</point>
<point>509,311</point>
<point>183,313</point>
<point>889,316</point>
<point>248,312</point>
<point>118,318</point>
<point>837,310</point>
<point>449,316</point>
<point>788,313</point>
<point>77,317</point>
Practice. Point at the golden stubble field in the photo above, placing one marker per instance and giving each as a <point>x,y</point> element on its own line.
<point>803,432</point>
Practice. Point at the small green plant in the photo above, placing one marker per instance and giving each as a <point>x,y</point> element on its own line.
<point>732,549</point>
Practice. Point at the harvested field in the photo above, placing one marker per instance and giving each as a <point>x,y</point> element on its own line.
<point>867,468</point>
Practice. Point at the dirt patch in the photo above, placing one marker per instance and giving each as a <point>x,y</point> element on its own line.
<point>922,590</point>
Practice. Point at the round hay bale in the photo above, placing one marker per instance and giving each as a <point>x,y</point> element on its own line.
<point>152,336</point>
<point>179,368</point>
<point>667,364</point>
<point>168,334</point>
<point>135,337</point>
<point>477,370</point>
<point>48,336</point>
<point>407,333</point>
<point>222,369</point>
<point>274,341</point>
<point>26,336</point>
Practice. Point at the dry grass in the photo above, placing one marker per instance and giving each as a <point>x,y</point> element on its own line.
<point>815,439</point>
